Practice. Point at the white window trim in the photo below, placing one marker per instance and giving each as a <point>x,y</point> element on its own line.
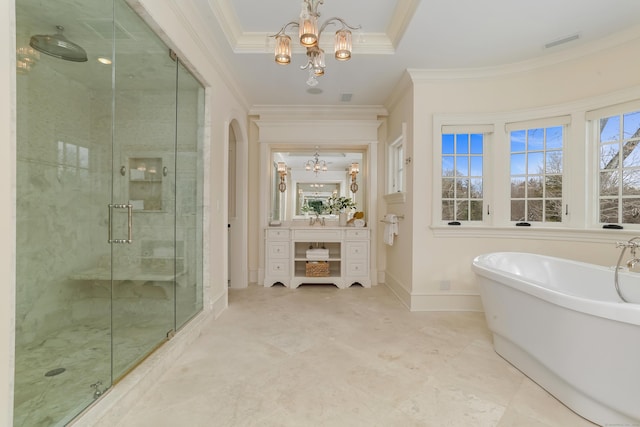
<point>565,122</point>
<point>592,119</point>
<point>441,128</point>
<point>581,158</point>
<point>392,172</point>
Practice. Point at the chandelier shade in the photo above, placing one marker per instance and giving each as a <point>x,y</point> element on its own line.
<point>309,37</point>
<point>317,61</point>
<point>283,49</point>
<point>308,29</point>
<point>343,45</point>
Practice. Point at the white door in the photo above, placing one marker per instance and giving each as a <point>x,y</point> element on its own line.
<point>237,231</point>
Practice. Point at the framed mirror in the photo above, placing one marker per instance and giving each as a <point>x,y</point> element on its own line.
<point>310,177</point>
<point>311,196</point>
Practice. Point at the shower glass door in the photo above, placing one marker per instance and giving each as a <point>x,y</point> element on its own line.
<point>189,196</point>
<point>108,201</point>
<point>143,204</point>
<point>63,167</point>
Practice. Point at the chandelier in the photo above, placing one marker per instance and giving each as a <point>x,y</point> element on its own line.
<point>316,165</point>
<point>26,59</point>
<point>309,36</point>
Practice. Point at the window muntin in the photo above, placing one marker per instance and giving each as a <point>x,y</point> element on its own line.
<point>395,164</point>
<point>396,167</point>
<point>619,181</point>
<point>536,168</point>
<point>462,176</point>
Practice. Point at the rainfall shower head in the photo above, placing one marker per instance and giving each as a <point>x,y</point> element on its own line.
<point>58,46</point>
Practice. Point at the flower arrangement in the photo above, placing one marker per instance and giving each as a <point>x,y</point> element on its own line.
<point>337,204</point>
<point>315,206</point>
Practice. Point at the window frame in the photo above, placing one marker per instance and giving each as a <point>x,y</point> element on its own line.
<point>460,129</point>
<point>396,170</point>
<point>459,198</point>
<point>580,158</point>
<point>564,122</point>
<point>592,118</point>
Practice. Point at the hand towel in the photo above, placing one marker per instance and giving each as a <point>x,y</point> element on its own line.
<point>390,228</point>
<point>318,254</point>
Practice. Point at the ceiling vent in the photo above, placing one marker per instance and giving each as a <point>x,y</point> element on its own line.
<point>346,97</point>
<point>562,41</point>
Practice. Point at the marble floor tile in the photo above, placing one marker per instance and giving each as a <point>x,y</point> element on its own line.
<point>322,356</point>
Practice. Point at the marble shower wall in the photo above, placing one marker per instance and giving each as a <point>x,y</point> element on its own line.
<point>63,165</point>
<point>64,187</point>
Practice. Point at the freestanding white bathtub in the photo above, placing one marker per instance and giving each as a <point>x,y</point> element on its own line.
<point>563,325</point>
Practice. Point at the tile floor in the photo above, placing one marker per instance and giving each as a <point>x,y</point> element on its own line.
<point>321,356</point>
<point>84,351</point>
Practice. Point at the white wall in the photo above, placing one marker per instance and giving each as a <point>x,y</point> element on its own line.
<point>436,260</point>
<point>397,259</point>
<point>7,213</point>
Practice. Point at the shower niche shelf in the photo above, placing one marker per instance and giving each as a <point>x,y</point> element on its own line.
<point>145,183</point>
<point>162,255</point>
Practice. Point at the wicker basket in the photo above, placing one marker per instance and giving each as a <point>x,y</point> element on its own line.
<point>317,269</point>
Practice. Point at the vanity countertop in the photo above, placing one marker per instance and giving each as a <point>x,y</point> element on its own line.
<point>315,227</point>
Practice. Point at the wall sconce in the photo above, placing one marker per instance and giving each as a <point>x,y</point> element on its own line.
<point>353,171</point>
<point>282,171</point>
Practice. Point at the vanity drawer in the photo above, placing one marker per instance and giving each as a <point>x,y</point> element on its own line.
<point>357,269</point>
<point>317,235</point>
<point>278,249</point>
<point>357,250</point>
<point>357,234</point>
<point>277,234</point>
<point>278,268</point>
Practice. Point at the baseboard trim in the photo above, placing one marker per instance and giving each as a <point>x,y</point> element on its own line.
<point>256,276</point>
<point>451,301</point>
<point>398,289</point>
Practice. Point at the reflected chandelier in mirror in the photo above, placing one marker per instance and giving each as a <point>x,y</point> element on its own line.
<point>313,176</point>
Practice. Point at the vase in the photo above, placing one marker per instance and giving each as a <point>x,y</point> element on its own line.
<point>343,217</point>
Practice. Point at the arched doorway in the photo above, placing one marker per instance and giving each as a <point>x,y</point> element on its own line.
<point>237,276</point>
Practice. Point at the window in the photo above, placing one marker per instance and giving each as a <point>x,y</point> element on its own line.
<point>396,164</point>
<point>73,160</point>
<point>536,174</point>
<point>619,168</point>
<point>462,176</point>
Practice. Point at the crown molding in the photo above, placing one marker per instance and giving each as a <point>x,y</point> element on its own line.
<point>318,112</point>
<point>557,57</point>
<point>402,87</point>
<point>402,16</point>
<point>363,43</point>
<point>227,19</point>
<point>326,132</point>
<point>198,31</point>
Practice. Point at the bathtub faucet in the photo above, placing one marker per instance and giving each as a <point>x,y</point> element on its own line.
<point>631,244</point>
<point>632,263</point>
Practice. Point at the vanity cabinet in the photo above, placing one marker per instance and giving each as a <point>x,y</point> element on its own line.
<point>357,254</point>
<point>277,256</point>
<point>286,256</point>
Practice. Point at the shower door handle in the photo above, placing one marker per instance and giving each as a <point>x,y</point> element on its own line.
<point>129,208</point>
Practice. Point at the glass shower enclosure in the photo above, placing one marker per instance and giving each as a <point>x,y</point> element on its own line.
<point>108,200</point>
